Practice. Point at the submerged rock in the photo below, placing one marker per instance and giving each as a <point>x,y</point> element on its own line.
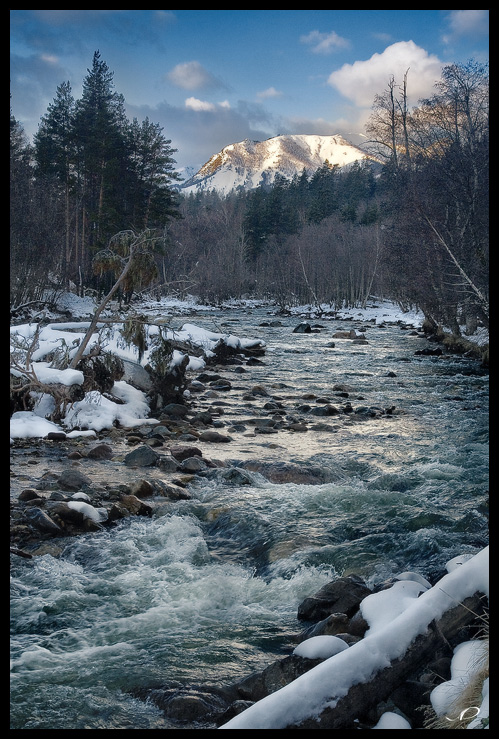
<point>288,472</point>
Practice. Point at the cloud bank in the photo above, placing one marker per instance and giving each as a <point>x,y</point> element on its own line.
<point>359,82</point>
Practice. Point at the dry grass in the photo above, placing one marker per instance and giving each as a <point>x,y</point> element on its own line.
<point>464,709</point>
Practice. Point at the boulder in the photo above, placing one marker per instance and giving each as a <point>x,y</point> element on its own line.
<point>67,514</point>
<point>324,410</point>
<point>72,479</point>
<point>168,464</point>
<point>214,437</point>
<point>188,704</point>
<point>28,494</point>
<point>142,489</point>
<point>170,490</point>
<point>303,328</point>
<point>278,674</point>
<point>136,506</point>
<point>41,521</point>
<point>101,451</point>
<point>193,464</point>
<point>332,625</point>
<point>343,595</point>
<point>136,375</point>
<point>142,456</point>
<point>181,452</point>
<point>175,410</point>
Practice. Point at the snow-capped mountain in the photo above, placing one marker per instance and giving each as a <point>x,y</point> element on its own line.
<point>250,163</point>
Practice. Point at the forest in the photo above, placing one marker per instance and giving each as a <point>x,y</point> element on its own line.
<point>96,197</point>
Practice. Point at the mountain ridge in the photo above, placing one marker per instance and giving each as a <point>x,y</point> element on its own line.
<point>248,163</point>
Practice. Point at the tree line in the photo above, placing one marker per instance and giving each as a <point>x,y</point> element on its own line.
<point>90,174</point>
<point>409,224</point>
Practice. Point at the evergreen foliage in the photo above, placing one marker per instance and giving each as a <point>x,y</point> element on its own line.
<point>91,174</point>
<point>414,229</point>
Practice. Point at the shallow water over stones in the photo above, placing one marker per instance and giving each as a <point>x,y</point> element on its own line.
<point>329,460</point>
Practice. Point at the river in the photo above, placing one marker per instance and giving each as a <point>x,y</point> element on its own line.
<point>208,590</point>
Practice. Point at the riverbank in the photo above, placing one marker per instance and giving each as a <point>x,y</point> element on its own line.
<point>245,500</point>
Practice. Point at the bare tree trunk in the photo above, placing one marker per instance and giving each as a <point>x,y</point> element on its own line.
<point>475,290</point>
<point>393,121</point>
<point>102,305</point>
<point>309,286</point>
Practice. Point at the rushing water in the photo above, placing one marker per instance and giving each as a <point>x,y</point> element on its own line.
<point>208,590</point>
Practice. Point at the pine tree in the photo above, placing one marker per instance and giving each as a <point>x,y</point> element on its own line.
<point>322,193</point>
<point>152,169</point>
<point>281,219</point>
<point>54,150</point>
<point>100,128</point>
<point>254,224</point>
<point>54,140</point>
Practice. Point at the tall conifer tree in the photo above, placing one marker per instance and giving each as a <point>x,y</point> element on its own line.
<point>100,127</point>
<point>55,159</point>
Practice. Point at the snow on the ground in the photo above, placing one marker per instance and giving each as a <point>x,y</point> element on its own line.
<point>96,412</point>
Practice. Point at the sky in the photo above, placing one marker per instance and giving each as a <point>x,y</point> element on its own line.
<point>211,78</point>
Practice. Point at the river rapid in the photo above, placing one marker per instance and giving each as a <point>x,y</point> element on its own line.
<point>207,590</point>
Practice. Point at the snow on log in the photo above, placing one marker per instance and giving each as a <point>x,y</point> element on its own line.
<point>329,695</point>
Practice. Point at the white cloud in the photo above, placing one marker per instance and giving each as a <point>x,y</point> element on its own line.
<point>192,76</point>
<point>195,104</point>
<point>270,92</point>
<point>324,43</point>
<point>469,22</point>
<point>362,80</point>
<point>49,59</point>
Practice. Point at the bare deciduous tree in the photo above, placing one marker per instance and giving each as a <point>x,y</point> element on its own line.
<point>131,257</point>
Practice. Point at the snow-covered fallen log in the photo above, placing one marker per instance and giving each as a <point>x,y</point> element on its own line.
<point>328,696</point>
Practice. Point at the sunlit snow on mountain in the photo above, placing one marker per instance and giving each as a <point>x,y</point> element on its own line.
<point>248,164</point>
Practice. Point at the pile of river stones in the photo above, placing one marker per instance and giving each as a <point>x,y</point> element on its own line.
<point>52,508</point>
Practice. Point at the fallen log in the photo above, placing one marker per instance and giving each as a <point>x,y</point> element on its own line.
<point>363,697</point>
<point>347,687</point>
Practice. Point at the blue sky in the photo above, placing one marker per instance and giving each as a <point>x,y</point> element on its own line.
<point>214,77</point>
